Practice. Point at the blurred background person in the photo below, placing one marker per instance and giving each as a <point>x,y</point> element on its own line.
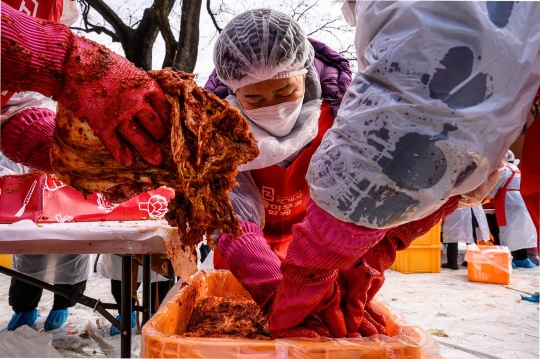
<point>515,225</point>
<point>465,225</point>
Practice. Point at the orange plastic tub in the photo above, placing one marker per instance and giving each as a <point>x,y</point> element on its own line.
<point>489,264</point>
<point>161,336</point>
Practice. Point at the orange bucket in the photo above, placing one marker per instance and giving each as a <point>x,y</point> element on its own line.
<point>162,334</point>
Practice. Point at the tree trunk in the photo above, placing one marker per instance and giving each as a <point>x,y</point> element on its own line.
<point>139,47</point>
<point>188,42</point>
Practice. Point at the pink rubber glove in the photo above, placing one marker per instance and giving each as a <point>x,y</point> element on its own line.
<point>322,244</point>
<point>26,138</point>
<point>251,261</point>
<point>119,101</point>
<point>360,282</point>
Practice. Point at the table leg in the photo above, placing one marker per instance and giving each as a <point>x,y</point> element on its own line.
<point>146,289</point>
<point>125,332</point>
<point>172,276</point>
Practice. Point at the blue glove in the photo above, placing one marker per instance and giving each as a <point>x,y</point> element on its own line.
<point>535,298</point>
<point>56,319</point>
<point>116,331</point>
<point>23,318</point>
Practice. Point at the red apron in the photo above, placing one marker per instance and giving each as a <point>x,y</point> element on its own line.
<point>285,192</point>
<point>500,199</point>
<point>530,168</point>
<point>42,9</point>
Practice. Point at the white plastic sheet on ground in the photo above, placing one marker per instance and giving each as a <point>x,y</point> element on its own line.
<point>25,342</point>
<point>443,90</point>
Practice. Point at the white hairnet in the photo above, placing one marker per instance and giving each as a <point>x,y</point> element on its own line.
<point>511,157</point>
<point>259,45</point>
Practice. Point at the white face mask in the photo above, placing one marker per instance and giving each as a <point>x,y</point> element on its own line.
<point>277,120</point>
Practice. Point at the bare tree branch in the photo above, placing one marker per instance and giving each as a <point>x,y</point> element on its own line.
<point>324,26</point>
<point>89,27</point>
<point>306,10</point>
<point>98,30</point>
<point>121,29</point>
<point>212,16</point>
<point>162,14</point>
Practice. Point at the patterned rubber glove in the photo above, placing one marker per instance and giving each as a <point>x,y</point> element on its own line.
<point>322,244</point>
<point>120,102</point>
<point>26,138</point>
<point>251,261</point>
<point>360,282</point>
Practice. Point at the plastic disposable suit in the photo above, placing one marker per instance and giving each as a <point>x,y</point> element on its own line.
<point>427,118</point>
<point>457,227</point>
<point>120,102</point>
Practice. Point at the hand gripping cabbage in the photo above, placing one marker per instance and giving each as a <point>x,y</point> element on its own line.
<point>208,141</point>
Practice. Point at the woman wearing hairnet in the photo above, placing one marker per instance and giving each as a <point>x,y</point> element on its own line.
<point>442,91</point>
<point>289,89</point>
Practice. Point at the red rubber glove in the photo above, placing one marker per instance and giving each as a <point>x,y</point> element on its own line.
<point>322,244</point>
<point>119,101</point>
<point>251,261</point>
<point>361,281</point>
<point>26,138</point>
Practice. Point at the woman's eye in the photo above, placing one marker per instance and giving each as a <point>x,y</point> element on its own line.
<point>253,100</point>
<point>285,94</point>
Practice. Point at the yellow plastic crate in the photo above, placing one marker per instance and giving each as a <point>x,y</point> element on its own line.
<point>419,259</point>
<point>5,260</point>
<point>430,238</point>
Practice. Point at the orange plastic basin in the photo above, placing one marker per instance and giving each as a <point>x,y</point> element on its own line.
<point>161,336</point>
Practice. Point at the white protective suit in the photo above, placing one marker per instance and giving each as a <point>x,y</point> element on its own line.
<point>519,232</point>
<point>442,91</point>
<point>111,267</point>
<point>458,226</point>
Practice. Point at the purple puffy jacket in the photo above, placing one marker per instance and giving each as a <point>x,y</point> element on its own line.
<point>333,70</point>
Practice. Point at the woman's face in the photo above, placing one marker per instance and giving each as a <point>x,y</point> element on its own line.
<point>271,92</point>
